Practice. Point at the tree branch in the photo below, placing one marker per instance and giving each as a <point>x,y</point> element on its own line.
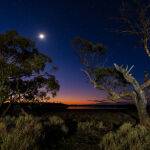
<point>146,84</point>
<point>146,48</point>
<point>91,80</point>
<point>114,96</point>
<point>132,81</point>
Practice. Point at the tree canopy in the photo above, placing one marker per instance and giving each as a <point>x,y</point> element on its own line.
<point>92,56</point>
<point>22,69</point>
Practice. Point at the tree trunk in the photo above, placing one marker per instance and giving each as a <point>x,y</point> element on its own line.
<point>141,103</point>
<point>142,109</point>
<point>138,95</point>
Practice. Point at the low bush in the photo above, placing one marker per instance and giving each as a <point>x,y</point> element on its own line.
<point>90,129</point>
<point>127,137</point>
<point>54,133</point>
<point>87,136</point>
<point>55,120</point>
<point>30,133</point>
<point>23,135</point>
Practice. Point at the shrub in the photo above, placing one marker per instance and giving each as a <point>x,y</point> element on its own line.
<point>88,135</point>
<point>91,128</point>
<point>127,137</point>
<point>88,125</point>
<point>31,133</point>
<point>23,136</point>
<point>55,120</point>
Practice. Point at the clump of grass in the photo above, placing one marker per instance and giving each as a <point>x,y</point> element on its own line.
<point>89,133</point>
<point>55,120</point>
<point>90,126</point>
<point>127,137</point>
<point>28,132</point>
<point>24,135</point>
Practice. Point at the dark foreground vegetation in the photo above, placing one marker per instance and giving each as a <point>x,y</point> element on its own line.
<point>74,130</point>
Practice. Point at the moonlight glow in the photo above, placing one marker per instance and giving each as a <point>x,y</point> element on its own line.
<point>41,36</point>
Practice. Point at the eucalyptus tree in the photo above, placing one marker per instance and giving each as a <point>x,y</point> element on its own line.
<point>116,80</point>
<point>23,70</point>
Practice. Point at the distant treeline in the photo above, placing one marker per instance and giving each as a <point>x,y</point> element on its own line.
<point>38,108</point>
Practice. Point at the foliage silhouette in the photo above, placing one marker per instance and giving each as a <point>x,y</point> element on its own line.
<point>23,73</point>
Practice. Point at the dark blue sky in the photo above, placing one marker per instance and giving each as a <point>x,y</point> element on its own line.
<point>61,21</point>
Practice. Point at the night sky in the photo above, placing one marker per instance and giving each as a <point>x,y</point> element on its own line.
<point>61,21</point>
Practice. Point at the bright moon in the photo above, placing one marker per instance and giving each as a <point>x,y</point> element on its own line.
<point>41,36</point>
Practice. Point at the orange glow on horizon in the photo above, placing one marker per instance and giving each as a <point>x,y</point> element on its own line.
<point>73,100</point>
<point>82,100</point>
<point>76,102</point>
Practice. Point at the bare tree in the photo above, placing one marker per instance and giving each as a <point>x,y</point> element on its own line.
<point>134,19</point>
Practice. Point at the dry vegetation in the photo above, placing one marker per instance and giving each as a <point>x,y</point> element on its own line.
<point>58,132</point>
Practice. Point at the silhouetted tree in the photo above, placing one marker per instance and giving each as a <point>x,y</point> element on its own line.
<point>22,69</point>
<point>118,81</point>
<point>92,56</point>
<point>134,21</point>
